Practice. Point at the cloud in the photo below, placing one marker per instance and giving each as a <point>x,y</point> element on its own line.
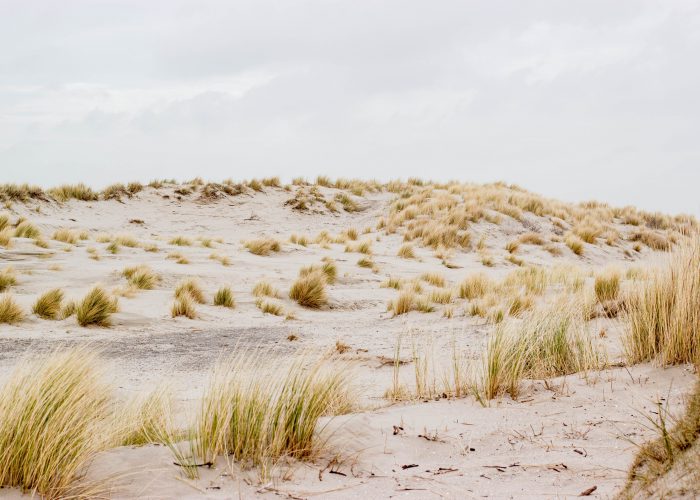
<point>574,99</point>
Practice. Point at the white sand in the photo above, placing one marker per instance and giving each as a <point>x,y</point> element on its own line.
<point>553,442</point>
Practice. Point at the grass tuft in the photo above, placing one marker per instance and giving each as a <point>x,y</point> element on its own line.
<point>54,412</point>
<point>191,288</point>
<point>10,312</point>
<point>263,246</point>
<point>141,277</point>
<point>48,305</point>
<point>95,308</point>
<point>309,290</point>
<point>224,297</point>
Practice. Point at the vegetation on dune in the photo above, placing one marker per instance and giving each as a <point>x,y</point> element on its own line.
<point>309,290</point>
<point>263,246</point>
<point>190,287</point>
<point>663,313</point>
<point>48,305</point>
<point>10,312</point>
<point>224,297</point>
<point>96,308</point>
<point>55,419</point>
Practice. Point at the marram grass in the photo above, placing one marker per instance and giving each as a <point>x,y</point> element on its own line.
<point>54,412</point>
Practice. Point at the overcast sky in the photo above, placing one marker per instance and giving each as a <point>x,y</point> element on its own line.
<point>576,100</point>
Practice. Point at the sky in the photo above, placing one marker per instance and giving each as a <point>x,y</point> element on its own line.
<point>577,100</point>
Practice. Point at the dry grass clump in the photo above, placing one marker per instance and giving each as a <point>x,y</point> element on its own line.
<point>146,419</point>
<point>263,246</point>
<point>269,306</point>
<point>265,289</point>
<point>512,246</point>
<point>190,287</point>
<point>406,252</point>
<point>588,232</point>
<point>663,313</point>
<point>435,279</point>
<point>574,243</point>
<point>26,229</point>
<point>262,412</point>
<point>55,419</point>
<point>364,247</point>
<point>531,239</point>
<point>302,240</point>
<point>668,466</point>
<point>96,308</point>
<point>547,343</point>
<point>404,303</point>
<point>475,286</point>
<point>141,277</point>
<point>48,305</point>
<point>652,240</point>
<point>441,296</point>
<point>366,262</point>
<point>607,285</point>
<point>328,268</point>
<point>10,312</point>
<point>65,236</point>
<point>180,241</point>
<point>534,279</point>
<point>20,192</point>
<point>8,278</point>
<point>6,235</point>
<point>224,297</point>
<point>126,240</point>
<point>178,257</point>
<point>309,290</point>
<point>223,259</point>
<point>73,191</point>
<point>183,306</point>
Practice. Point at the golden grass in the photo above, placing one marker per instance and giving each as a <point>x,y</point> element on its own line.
<point>328,268</point>
<point>406,252</point>
<point>6,235</point>
<point>651,239</point>
<point>549,342</point>
<point>96,308</point>
<point>263,246</point>
<point>184,306</point>
<point>435,279</point>
<point>309,290</point>
<point>141,277</point>
<point>269,306</point>
<point>404,303</point>
<point>180,241</point>
<point>65,236</point>
<point>669,465</point>
<point>475,286</point>
<point>224,297</point>
<point>441,296</point>
<point>8,278</point>
<point>574,243</point>
<point>10,312</point>
<point>663,315</point>
<point>146,419</point>
<point>26,229</point>
<point>261,412</point>
<point>55,419</point>
<point>512,246</point>
<point>531,239</point>
<point>48,305</point>
<point>364,247</point>
<point>191,288</point>
<point>178,257</point>
<point>607,285</point>
<point>265,289</point>
<point>73,191</point>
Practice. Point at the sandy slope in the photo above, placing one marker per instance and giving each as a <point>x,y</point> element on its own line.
<point>556,441</point>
